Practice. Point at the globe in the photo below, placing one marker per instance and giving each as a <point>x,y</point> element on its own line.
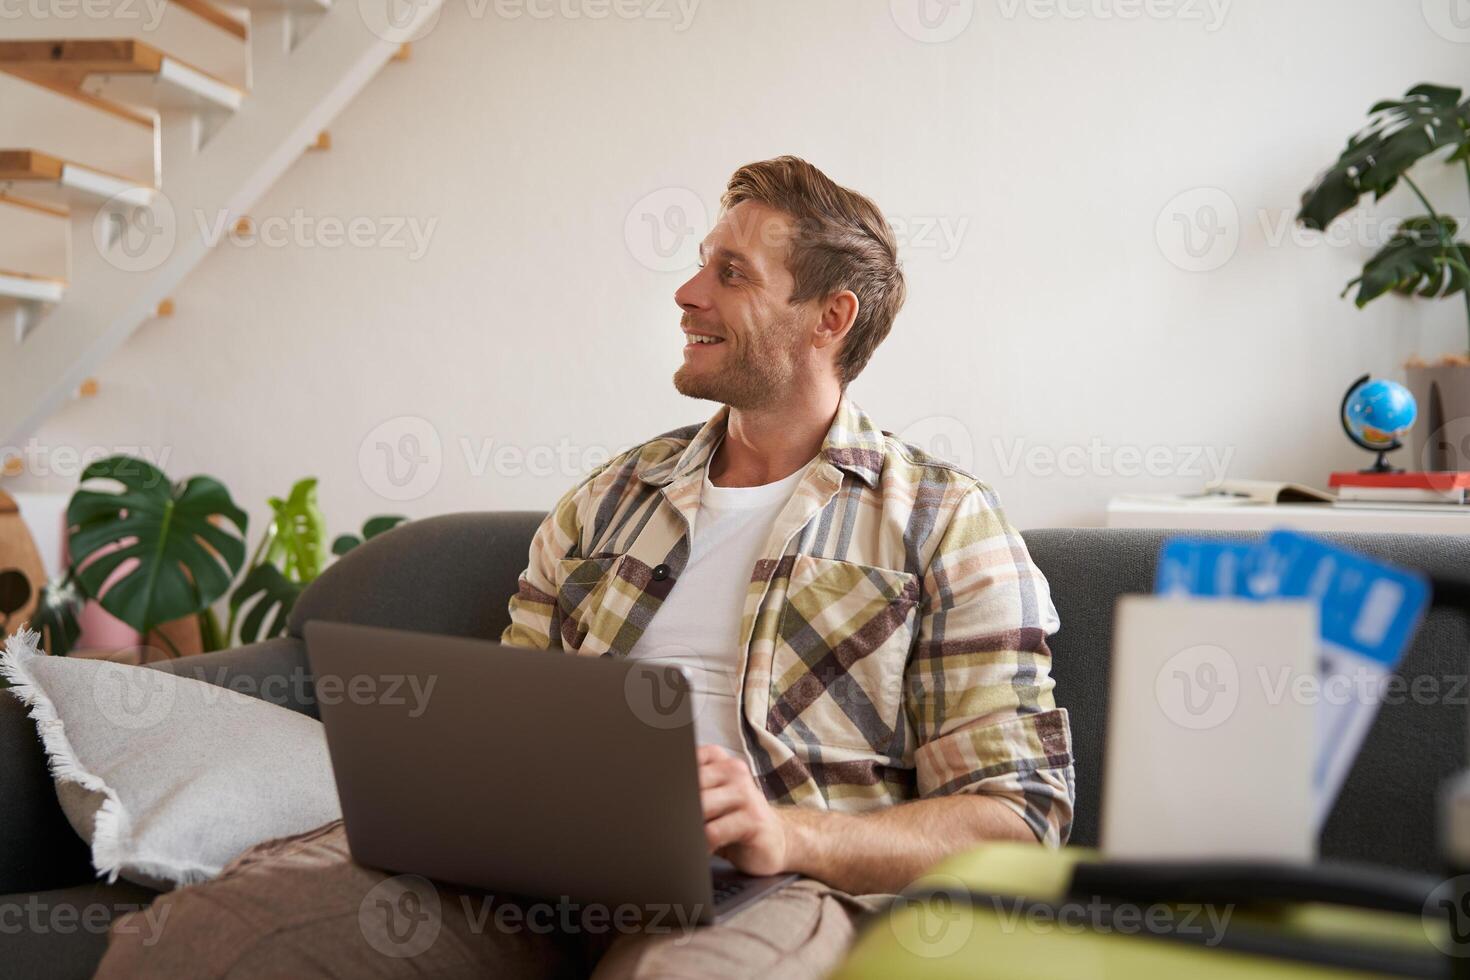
<point>1377,412</point>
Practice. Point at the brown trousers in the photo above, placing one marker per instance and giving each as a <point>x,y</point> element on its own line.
<point>299,907</point>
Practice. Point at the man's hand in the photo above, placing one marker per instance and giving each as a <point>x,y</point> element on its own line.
<point>739,824</point>
<point>880,851</point>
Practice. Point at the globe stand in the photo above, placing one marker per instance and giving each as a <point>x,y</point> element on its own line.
<point>1381,463</point>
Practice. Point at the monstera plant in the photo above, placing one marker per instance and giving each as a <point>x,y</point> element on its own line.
<point>1424,257</point>
<point>152,551</point>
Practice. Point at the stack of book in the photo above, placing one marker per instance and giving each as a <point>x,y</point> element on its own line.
<point>1436,490</point>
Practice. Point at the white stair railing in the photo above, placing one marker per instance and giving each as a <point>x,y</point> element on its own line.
<point>218,156</point>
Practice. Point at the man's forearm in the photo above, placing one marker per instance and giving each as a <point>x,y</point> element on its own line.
<point>885,850</point>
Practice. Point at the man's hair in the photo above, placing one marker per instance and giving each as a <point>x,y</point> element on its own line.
<point>842,242</point>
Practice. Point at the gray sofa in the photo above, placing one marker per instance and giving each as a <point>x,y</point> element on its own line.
<point>454,575</point>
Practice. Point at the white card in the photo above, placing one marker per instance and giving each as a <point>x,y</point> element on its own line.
<point>1209,753</point>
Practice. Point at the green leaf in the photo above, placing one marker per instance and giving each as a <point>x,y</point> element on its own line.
<point>1398,135</point>
<point>297,534</point>
<point>377,525</point>
<point>345,543</point>
<point>269,590</point>
<point>185,560</point>
<point>373,527</point>
<point>1421,259</point>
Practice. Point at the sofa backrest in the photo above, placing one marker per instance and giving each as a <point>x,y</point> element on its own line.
<point>455,574</point>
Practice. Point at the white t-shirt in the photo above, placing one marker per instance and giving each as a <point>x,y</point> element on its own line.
<point>698,625</point>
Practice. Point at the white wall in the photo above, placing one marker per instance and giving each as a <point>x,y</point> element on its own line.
<point>1056,145</point>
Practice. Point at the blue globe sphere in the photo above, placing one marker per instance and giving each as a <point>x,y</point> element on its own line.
<point>1379,412</point>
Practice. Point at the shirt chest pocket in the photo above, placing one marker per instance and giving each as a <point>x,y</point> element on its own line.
<point>842,642</point>
<point>582,586</point>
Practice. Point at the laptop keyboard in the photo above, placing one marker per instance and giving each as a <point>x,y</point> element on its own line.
<point>727,888</point>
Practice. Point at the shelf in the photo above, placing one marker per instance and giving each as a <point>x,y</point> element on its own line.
<point>31,289</point>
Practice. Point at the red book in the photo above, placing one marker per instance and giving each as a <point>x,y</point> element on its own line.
<point>1441,480</point>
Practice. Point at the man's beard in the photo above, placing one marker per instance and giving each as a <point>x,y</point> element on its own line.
<point>758,375</point>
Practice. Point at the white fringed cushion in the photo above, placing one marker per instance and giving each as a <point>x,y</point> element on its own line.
<point>167,777</point>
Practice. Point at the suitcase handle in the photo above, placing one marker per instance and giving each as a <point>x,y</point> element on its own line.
<point>1246,882</point>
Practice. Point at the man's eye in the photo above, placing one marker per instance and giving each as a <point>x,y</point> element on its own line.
<point>730,272</point>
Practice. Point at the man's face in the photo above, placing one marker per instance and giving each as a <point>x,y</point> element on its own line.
<point>762,343</point>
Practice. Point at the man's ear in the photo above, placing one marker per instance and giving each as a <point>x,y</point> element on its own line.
<point>839,313</point>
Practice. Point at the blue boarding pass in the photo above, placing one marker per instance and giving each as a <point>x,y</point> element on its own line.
<point>1368,612</point>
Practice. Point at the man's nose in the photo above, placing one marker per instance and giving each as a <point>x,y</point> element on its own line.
<point>695,294</point>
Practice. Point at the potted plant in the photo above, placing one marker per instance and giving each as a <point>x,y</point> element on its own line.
<point>1424,256</point>
<point>154,553</point>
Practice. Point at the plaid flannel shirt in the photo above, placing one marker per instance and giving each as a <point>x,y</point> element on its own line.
<point>893,641</point>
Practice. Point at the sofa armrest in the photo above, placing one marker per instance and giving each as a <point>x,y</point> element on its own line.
<point>272,670</point>
<point>38,848</point>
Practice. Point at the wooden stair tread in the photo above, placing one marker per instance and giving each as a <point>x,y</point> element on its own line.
<point>212,14</point>
<point>28,288</point>
<point>16,201</point>
<point>37,170</point>
<point>65,65</point>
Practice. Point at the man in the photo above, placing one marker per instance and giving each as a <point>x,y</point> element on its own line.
<point>865,632</point>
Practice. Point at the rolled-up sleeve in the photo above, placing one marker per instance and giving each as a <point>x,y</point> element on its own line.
<point>979,684</point>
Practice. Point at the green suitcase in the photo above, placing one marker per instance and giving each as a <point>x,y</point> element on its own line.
<point>1018,910</point>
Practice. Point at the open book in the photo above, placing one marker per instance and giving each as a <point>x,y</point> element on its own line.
<point>1225,493</point>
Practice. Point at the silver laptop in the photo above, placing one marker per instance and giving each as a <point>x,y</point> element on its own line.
<point>531,772</point>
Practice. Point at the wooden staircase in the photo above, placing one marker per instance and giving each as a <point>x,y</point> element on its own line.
<point>213,105</point>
